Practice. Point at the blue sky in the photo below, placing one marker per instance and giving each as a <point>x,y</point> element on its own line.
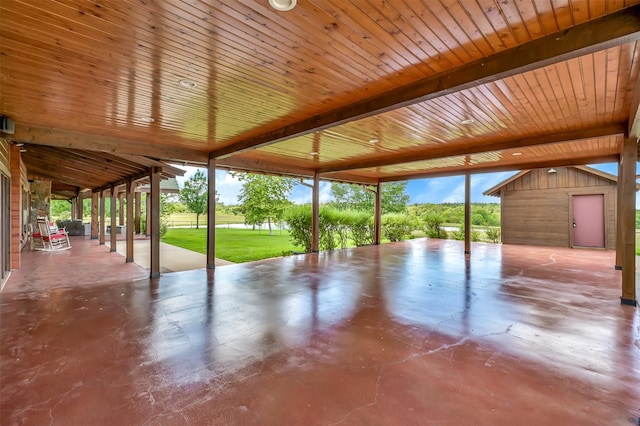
<point>435,190</point>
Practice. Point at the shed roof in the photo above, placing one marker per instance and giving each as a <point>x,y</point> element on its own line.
<point>495,190</point>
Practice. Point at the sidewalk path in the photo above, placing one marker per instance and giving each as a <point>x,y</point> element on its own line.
<point>172,258</point>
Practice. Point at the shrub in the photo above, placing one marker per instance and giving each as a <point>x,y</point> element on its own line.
<point>329,225</point>
<point>360,225</point>
<point>299,220</point>
<point>397,226</point>
<point>459,234</point>
<point>493,234</point>
<point>432,225</point>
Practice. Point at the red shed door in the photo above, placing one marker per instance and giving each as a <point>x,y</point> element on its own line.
<point>588,220</point>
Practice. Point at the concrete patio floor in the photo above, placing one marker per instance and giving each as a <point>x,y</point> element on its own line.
<point>407,333</point>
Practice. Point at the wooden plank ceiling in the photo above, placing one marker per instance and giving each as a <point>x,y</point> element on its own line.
<point>360,91</point>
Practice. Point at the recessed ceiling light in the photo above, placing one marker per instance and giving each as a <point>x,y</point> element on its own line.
<point>188,84</point>
<point>314,153</point>
<point>468,121</point>
<point>374,140</point>
<point>282,5</point>
<point>515,154</point>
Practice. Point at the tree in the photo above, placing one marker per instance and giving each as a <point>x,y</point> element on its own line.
<point>194,194</point>
<point>355,197</point>
<point>264,198</point>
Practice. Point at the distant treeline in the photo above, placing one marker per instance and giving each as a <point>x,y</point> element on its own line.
<point>482,214</point>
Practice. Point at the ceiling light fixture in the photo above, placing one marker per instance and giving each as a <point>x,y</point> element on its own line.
<point>552,170</point>
<point>468,121</point>
<point>515,154</point>
<point>188,84</point>
<point>282,5</point>
<point>374,140</point>
<point>23,150</point>
<point>314,153</point>
<point>19,143</point>
<point>147,119</point>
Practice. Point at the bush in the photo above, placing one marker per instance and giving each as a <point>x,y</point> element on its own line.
<point>432,225</point>
<point>493,234</point>
<point>459,234</point>
<point>397,226</point>
<point>299,220</point>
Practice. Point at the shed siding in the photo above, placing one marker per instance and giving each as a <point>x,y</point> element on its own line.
<point>536,207</point>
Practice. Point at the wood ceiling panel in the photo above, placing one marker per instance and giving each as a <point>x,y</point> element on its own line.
<point>594,150</point>
<point>86,75</point>
<point>558,98</point>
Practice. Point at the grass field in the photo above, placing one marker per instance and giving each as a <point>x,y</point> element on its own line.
<point>234,245</point>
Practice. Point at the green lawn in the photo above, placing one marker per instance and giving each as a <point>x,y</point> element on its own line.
<point>189,219</point>
<point>234,245</point>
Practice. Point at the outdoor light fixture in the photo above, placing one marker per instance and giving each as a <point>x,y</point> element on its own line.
<point>187,84</point>
<point>552,170</point>
<point>282,5</point>
<point>468,121</point>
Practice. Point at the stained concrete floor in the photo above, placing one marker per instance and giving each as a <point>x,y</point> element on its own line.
<point>400,334</point>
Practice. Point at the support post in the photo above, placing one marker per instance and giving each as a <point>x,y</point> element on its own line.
<point>147,200</point>
<point>16,206</point>
<point>80,207</point>
<point>211,214</point>
<point>377,215</point>
<point>467,214</point>
<point>114,221</point>
<point>628,158</point>
<point>131,186</point>
<point>315,214</point>
<point>74,208</point>
<point>94,215</point>
<point>121,211</point>
<point>138,202</point>
<point>619,219</point>
<point>103,218</point>
<point>154,223</point>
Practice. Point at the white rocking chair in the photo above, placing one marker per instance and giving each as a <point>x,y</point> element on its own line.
<point>52,240</point>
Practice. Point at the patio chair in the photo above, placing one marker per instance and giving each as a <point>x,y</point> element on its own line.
<point>35,239</point>
<point>52,239</point>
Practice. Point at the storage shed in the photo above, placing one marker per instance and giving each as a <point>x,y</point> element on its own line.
<point>564,206</point>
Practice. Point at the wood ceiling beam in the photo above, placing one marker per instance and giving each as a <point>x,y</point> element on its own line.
<point>634,114</point>
<point>50,136</point>
<point>575,161</point>
<point>610,30</point>
<point>450,150</point>
<point>150,162</point>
